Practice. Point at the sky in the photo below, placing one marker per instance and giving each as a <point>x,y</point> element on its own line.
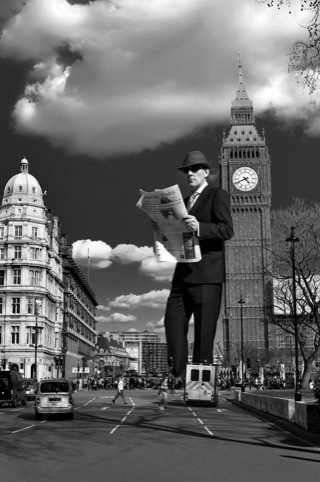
<point>104,98</point>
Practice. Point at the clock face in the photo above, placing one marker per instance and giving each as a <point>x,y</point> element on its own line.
<point>245,178</point>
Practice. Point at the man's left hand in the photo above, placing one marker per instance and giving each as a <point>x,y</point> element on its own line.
<point>191,223</point>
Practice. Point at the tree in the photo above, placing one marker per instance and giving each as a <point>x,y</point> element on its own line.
<point>304,56</point>
<point>306,219</point>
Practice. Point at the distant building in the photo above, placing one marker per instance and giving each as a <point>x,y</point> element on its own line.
<point>111,357</point>
<point>133,342</point>
<point>154,358</point>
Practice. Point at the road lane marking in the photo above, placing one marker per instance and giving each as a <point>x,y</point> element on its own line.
<point>123,419</point>
<point>200,421</point>
<point>114,429</point>
<point>209,431</point>
<point>25,428</point>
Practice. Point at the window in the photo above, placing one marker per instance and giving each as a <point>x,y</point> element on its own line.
<point>35,253</point>
<point>2,253</point>
<point>206,375</point>
<point>0,335</point>
<point>18,231</point>
<point>1,232</point>
<point>194,375</point>
<point>1,277</point>
<point>17,252</point>
<point>31,306</point>
<point>31,336</point>
<point>15,335</point>
<point>34,277</point>
<point>16,306</point>
<point>17,276</point>
<point>1,305</point>
<point>34,232</point>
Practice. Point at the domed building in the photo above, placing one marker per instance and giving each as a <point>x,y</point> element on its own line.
<point>33,336</point>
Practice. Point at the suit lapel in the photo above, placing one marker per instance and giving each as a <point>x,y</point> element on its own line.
<point>201,199</point>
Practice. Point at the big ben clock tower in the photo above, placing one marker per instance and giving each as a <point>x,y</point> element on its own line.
<point>245,174</point>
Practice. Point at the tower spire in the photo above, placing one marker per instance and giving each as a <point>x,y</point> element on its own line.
<point>241,106</point>
<point>240,68</point>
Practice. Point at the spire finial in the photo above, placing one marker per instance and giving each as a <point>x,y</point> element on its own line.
<point>24,165</point>
<point>240,68</point>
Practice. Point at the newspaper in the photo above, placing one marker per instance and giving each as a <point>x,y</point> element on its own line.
<point>173,242</point>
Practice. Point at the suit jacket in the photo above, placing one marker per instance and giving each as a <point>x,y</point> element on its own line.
<point>212,210</point>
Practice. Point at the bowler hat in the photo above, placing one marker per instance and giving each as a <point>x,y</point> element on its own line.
<point>194,158</point>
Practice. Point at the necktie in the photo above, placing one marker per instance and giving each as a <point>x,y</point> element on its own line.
<point>192,199</point>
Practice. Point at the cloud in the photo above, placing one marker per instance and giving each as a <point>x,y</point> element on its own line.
<point>153,299</point>
<point>116,318</point>
<point>103,308</point>
<point>119,76</point>
<point>97,253</point>
<point>157,327</point>
<point>128,253</point>
<point>100,255</point>
<point>156,270</point>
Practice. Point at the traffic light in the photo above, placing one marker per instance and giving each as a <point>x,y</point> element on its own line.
<point>9,365</point>
<point>1,363</point>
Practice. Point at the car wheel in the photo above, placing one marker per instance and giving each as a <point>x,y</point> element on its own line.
<point>37,416</point>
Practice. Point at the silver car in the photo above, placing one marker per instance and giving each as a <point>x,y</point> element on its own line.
<point>54,397</point>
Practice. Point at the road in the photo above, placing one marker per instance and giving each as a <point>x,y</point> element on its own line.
<point>138,442</point>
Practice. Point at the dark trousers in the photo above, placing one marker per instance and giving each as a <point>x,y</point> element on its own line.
<point>203,301</point>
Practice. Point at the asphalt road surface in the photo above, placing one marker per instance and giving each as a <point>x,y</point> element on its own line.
<point>140,443</point>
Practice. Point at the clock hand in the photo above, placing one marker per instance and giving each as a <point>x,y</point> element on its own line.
<point>243,179</point>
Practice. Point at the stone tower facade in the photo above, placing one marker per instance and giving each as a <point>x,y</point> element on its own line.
<point>246,175</point>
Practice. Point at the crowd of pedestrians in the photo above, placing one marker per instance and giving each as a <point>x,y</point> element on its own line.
<point>130,383</point>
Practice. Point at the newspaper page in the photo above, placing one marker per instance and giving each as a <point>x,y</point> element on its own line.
<point>173,242</point>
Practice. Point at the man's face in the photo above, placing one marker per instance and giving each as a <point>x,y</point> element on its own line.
<point>195,176</point>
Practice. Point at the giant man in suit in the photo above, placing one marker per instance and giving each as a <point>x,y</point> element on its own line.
<point>197,287</point>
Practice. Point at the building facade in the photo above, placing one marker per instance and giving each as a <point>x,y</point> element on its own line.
<point>111,358</point>
<point>133,342</point>
<point>31,287</point>
<point>47,308</point>
<point>79,323</point>
<point>245,169</point>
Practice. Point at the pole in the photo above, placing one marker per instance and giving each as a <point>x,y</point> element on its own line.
<point>36,347</point>
<point>36,307</point>
<point>293,239</point>
<point>242,302</point>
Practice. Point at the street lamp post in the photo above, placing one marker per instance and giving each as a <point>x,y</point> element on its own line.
<point>293,239</point>
<point>242,302</point>
<point>36,310</point>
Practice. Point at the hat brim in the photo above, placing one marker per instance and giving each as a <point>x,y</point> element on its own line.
<point>204,165</point>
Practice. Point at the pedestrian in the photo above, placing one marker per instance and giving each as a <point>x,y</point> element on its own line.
<point>120,391</point>
<point>163,393</point>
<point>197,287</point>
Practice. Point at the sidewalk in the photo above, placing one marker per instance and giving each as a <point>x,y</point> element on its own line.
<point>281,408</point>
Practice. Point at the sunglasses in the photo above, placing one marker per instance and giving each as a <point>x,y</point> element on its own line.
<point>192,169</point>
